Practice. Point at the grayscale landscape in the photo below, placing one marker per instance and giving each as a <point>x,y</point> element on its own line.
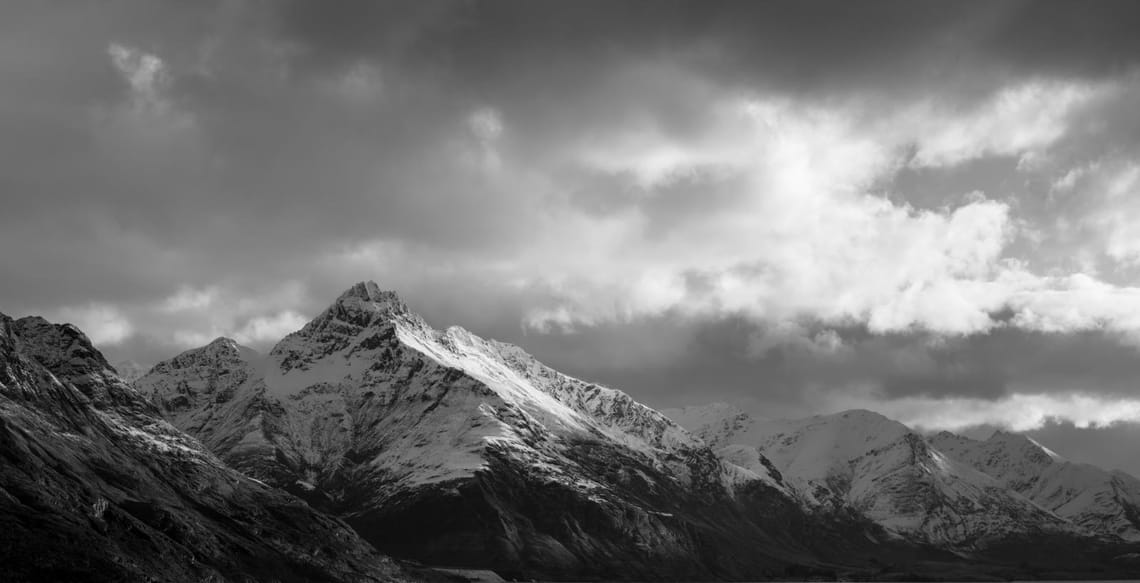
<point>452,291</point>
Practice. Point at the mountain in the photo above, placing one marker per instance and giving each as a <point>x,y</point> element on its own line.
<point>129,371</point>
<point>879,467</point>
<point>96,486</point>
<point>484,456</point>
<point>1102,501</point>
<point>453,450</point>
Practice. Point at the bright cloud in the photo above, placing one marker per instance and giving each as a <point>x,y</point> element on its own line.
<point>1017,412</point>
<point>103,324</point>
<point>795,232</point>
<point>1018,121</point>
<point>269,329</point>
<point>799,237</point>
<point>188,299</point>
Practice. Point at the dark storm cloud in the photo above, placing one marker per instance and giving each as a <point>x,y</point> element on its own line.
<point>810,45</point>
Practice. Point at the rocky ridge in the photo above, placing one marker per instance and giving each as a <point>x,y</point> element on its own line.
<point>97,486</point>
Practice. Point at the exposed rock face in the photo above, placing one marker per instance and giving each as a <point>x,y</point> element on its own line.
<point>96,486</point>
<point>1102,501</point>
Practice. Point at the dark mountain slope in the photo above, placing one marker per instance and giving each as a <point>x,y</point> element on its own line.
<point>95,486</point>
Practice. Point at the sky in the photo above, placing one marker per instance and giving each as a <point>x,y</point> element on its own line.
<point>927,209</point>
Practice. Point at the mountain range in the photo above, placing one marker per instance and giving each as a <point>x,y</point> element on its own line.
<point>96,486</point>
<point>447,449</point>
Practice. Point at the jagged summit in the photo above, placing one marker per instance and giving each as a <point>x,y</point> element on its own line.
<point>367,290</point>
<point>1023,441</point>
<point>221,353</point>
<point>368,295</point>
<point>61,346</point>
<point>222,341</point>
<point>1103,502</point>
<point>97,487</point>
<point>361,306</point>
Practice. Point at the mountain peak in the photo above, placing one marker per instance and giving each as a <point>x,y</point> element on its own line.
<point>62,348</point>
<point>368,291</point>
<point>861,416</point>
<point>366,296</point>
<point>222,342</point>
<point>1024,442</point>
<point>1009,436</point>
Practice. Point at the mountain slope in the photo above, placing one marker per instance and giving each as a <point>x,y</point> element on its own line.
<point>1103,501</point>
<point>883,470</point>
<point>95,486</point>
<point>454,450</point>
<point>486,456</point>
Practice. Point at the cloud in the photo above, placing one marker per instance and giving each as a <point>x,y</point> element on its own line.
<point>149,81</point>
<point>1117,216</point>
<point>1017,412</point>
<point>1020,120</point>
<point>189,299</point>
<point>360,85</point>
<point>145,73</point>
<point>796,235</point>
<point>103,324</point>
<point>739,202</point>
<point>270,329</point>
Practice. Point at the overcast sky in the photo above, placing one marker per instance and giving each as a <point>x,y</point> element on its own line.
<point>929,209</point>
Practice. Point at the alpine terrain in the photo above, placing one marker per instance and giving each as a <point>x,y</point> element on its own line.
<point>441,446</point>
<point>1102,501</point>
<point>96,486</point>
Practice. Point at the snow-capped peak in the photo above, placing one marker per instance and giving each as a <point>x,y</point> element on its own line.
<point>1022,442</point>
<point>366,298</point>
<point>1088,496</point>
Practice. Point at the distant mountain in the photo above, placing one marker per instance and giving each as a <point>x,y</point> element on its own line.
<point>444,447</point>
<point>129,370</point>
<point>879,467</point>
<point>1102,501</point>
<point>96,486</point>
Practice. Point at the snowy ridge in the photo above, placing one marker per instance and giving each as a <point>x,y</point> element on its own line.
<point>717,423</point>
<point>97,485</point>
<point>1099,500</point>
<point>367,410</point>
<point>495,459</point>
<point>865,461</point>
<point>368,357</point>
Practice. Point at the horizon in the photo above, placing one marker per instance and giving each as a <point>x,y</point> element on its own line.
<point>922,209</point>
<point>982,432</point>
